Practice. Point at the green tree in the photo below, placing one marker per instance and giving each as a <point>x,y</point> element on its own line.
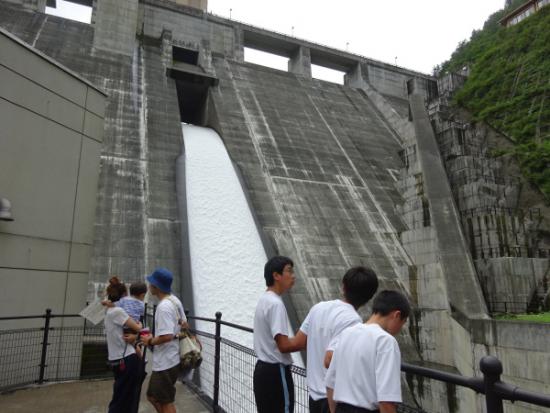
<point>509,86</point>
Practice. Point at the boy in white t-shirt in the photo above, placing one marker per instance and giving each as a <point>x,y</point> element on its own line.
<point>365,372</point>
<point>325,321</point>
<point>273,384</point>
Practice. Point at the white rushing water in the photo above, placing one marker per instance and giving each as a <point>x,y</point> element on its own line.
<point>227,254</point>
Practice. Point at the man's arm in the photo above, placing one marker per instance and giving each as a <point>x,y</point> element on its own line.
<point>328,358</point>
<point>387,407</point>
<point>331,402</point>
<point>155,341</point>
<point>388,375</point>
<point>289,345</point>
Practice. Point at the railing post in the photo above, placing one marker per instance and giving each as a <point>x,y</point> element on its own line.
<point>44,345</point>
<point>217,351</point>
<point>144,317</point>
<point>491,367</point>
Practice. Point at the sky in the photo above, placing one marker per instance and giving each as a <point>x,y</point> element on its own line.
<point>416,34</point>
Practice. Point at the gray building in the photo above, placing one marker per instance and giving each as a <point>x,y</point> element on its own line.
<point>52,131</point>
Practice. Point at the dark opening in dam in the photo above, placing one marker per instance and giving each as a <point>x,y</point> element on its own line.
<point>191,99</point>
<point>192,86</point>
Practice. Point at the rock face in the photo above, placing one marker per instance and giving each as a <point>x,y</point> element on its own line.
<point>332,172</point>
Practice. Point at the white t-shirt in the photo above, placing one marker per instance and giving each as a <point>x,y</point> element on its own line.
<point>114,322</point>
<point>324,322</point>
<point>169,312</point>
<point>365,367</point>
<point>270,319</point>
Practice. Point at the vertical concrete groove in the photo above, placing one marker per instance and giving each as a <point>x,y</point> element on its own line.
<point>60,336</point>
<point>74,210</point>
<point>39,31</point>
<point>186,285</point>
<point>143,152</point>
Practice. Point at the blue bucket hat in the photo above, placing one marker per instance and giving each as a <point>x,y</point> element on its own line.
<point>162,279</point>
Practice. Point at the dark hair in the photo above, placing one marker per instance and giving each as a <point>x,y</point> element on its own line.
<point>389,300</point>
<point>116,289</point>
<point>360,284</point>
<point>275,264</point>
<point>138,288</point>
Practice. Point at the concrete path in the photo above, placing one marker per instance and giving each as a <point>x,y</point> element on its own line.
<point>86,397</point>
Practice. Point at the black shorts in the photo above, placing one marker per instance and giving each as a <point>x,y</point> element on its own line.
<point>348,408</point>
<point>318,406</point>
<point>273,388</point>
<point>162,386</point>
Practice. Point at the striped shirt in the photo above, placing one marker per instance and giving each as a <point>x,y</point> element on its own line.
<point>133,307</point>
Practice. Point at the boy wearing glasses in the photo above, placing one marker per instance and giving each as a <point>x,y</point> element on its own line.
<point>273,384</point>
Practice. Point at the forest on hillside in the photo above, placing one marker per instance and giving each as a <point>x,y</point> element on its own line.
<point>509,86</point>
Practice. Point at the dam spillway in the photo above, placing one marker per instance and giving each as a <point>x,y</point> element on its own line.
<point>227,255</point>
<point>226,251</point>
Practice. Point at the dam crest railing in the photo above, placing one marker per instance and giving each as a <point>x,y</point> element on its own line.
<point>66,347</point>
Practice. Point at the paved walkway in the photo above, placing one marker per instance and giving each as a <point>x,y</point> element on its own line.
<point>86,397</point>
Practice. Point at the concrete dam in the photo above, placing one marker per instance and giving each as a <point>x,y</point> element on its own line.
<point>334,176</point>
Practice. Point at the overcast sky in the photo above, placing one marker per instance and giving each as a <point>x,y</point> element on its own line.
<point>414,34</point>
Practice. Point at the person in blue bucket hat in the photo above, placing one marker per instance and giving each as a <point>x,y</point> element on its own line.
<point>162,279</point>
<point>166,358</point>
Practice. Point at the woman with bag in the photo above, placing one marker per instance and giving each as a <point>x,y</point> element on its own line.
<point>122,355</point>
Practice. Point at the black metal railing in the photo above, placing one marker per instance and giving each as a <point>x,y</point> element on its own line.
<point>53,348</point>
<point>64,347</point>
<point>226,374</point>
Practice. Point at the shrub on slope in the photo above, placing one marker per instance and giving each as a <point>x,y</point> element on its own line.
<point>509,87</point>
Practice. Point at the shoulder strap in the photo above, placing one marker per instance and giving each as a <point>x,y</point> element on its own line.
<point>169,298</point>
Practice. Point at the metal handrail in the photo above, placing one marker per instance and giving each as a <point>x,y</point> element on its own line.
<point>474,383</point>
<point>490,385</point>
